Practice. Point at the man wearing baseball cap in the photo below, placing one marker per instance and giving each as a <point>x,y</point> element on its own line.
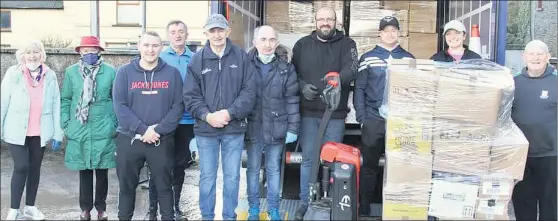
<point>367,100</point>
<point>455,34</point>
<point>219,91</point>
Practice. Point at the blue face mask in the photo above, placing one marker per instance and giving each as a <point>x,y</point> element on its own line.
<point>90,58</point>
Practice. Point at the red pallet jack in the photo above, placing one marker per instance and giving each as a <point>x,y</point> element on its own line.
<point>336,196</point>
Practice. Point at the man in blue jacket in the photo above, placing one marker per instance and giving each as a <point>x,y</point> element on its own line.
<point>147,97</point>
<point>368,97</point>
<point>273,123</point>
<point>177,55</point>
<point>534,111</point>
<point>220,93</point>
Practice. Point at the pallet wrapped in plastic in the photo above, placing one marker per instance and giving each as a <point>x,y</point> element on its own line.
<point>452,150</point>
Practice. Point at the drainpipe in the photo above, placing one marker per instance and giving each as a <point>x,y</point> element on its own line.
<point>143,16</point>
<point>94,20</point>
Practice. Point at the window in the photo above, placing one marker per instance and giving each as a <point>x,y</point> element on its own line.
<point>5,20</point>
<point>128,12</point>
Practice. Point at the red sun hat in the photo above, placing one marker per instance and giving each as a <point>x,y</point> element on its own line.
<point>89,41</point>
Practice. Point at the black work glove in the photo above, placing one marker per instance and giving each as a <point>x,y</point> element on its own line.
<point>310,91</point>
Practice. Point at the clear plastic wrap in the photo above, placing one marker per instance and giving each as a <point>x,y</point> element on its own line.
<point>452,150</point>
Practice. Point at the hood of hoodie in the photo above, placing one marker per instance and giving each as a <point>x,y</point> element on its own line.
<point>547,72</point>
<point>325,47</point>
<point>160,65</point>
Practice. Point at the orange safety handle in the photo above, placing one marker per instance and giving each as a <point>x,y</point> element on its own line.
<point>331,78</point>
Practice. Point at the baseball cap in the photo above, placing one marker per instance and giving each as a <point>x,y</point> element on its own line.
<point>389,20</point>
<point>216,21</point>
<point>455,25</point>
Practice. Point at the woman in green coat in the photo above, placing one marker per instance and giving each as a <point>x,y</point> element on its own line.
<point>89,123</point>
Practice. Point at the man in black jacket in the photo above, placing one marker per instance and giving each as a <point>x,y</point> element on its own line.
<point>325,50</point>
<point>273,123</point>
<point>219,91</point>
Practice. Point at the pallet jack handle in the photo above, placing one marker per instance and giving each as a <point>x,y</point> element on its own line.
<point>331,96</point>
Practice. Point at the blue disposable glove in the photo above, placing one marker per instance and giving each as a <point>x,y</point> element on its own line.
<point>56,145</point>
<point>291,137</point>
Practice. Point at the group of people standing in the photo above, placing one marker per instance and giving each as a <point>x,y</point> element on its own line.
<point>221,99</point>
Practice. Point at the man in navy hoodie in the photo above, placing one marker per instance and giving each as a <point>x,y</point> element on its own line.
<point>367,100</point>
<point>534,111</point>
<point>219,92</point>
<point>147,97</point>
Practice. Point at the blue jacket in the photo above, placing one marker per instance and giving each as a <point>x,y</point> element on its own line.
<point>277,101</point>
<point>371,81</point>
<point>142,98</point>
<point>214,83</point>
<point>534,110</point>
<point>180,62</point>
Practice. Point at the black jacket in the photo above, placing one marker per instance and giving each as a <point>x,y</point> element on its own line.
<point>444,56</point>
<point>214,83</point>
<point>277,101</point>
<point>313,59</point>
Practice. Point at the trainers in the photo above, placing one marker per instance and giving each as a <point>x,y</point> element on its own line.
<point>33,213</point>
<point>102,215</point>
<point>85,215</point>
<point>273,214</point>
<point>254,213</point>
<point>13,214</point>
<point>180,216</point>
<point>299,214</point>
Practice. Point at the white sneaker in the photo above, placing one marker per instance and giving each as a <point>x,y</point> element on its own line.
<point>33,213</point>
<point>13,214</point>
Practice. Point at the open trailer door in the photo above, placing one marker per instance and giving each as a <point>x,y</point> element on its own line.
<point>491,16</point>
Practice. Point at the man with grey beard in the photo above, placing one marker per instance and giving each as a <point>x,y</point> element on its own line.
<point>325,50</point>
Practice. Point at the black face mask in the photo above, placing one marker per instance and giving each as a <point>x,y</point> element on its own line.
<point>329,35</point>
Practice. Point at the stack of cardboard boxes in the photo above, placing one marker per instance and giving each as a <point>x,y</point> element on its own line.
<point>452,150</point>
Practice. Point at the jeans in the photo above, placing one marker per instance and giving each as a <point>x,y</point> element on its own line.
<point>230,146</point>
<point>308,133</point>
<point>27,170</point>
<point>273,170</point>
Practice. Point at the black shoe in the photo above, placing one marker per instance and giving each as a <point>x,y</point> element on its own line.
<point>151,215</point>
<point>299,214</point>
<point>180,216</point>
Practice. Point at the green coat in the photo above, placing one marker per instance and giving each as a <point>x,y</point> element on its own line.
<point>90,146</point>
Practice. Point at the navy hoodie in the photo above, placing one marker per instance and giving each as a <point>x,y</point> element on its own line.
<point>147,97</point>
<point>534,110</point>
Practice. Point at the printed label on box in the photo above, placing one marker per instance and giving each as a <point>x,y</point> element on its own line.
<point>491,207</point>
<point>453,200</point>
<point>496,188</point>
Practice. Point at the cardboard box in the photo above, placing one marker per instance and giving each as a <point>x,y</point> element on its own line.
<point>423,45</point>
<point>365,21</point>
<point>408,168</point>
<point>291,17</point>
<point>422,16</point>
<point>411,89</point>
<point>396,5</point>
<point>406,201</point>
<point>509,153</point>
<point>453,196</point>
<point>473,95</point>
<point>275,15</point>
<point>492,209</point>
<point>461,147</point>
<point>409,135</point>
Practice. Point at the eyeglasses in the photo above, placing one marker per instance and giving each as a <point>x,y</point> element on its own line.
<point>325,19</point>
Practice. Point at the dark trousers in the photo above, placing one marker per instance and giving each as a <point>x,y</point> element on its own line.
<point>373,147</point>
<point>131,155</point>
<point>538,187</point>
<point>86,189</point>
<point>182,157</point>
<point>27,170</point>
